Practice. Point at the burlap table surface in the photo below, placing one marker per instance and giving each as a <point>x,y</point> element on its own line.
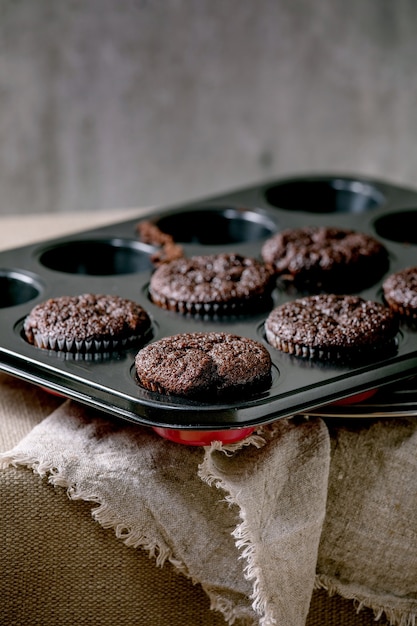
<point>302,504</point>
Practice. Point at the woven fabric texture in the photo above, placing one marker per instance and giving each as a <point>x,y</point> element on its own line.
<point>60,567</point>
<point>344,510</point>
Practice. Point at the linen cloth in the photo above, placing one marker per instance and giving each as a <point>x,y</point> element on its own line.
<point>258,524</point>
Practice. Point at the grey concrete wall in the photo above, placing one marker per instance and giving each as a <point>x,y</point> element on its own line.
<point>120,103</point>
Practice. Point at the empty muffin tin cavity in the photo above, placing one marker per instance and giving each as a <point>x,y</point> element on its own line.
<point>97,257</point>
<point>17,288</point>
<point>216,226</point>
<point>400,227</point>
<point>325,195</point>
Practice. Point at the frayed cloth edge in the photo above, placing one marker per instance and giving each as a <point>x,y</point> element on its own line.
<point>106,518</point>
<point>15,460</point>
<point>229,448</point>
<point>252,572</point>
<point>102,514</point>
<point>396,610</point>
<point>230,612</point>
<point>245,546</point>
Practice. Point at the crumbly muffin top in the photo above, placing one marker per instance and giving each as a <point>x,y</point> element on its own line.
<point>206,364</point>
<point>85,317</point>
<point>401,288</point>
<point>332,321</point>
<point>167,251</point>
<point>210,279</point>
<point>316,254</point>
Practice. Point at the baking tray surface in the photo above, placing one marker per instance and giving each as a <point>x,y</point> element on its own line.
<point>111,259</point>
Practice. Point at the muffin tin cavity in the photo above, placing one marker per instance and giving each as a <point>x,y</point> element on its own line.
<point>332,195</point>
<point>400,227</point>
<point>97,257</point>
<point>17,288</point>
<point>113,259</point>
<point>213,226</point>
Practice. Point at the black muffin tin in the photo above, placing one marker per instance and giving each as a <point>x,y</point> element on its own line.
<point>113,260</point>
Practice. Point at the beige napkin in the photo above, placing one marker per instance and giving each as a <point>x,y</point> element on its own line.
<point>244,522</point>
<point>259,524</point>
<point>368,548</point>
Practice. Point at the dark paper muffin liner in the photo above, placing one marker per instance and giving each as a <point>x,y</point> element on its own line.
<point>212,309</point>
<point>333,354</point>
<point>63,344</point>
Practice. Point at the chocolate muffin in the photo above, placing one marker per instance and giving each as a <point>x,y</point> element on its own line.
<point>221,284</point>
<point>332,326</point>
<point>86,323</point>
<point>400,293</point>
<point>204,365</point>
<point>325,259</point>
